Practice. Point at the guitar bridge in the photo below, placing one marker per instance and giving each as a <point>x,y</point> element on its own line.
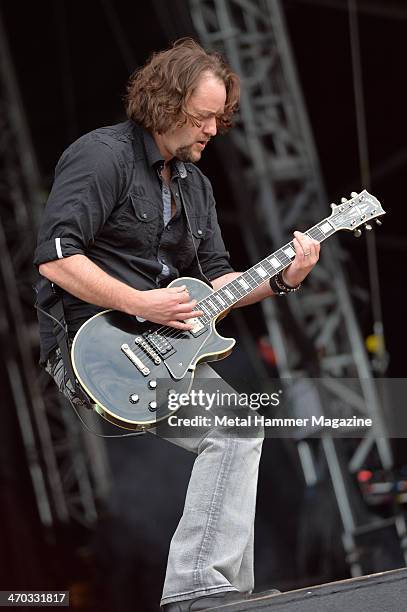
<point>143,344</point>
<point>135,360</point>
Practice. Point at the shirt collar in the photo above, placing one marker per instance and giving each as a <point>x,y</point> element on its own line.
<point>180,169</point>
<point>155,158</point>
<point>152,151</point>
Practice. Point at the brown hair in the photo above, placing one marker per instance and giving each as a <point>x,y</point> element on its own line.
<point>158,92</point>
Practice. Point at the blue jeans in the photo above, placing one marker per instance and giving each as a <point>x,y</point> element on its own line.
<point>212,548</point>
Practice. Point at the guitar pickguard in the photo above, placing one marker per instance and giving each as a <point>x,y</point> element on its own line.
<point>186,349</point>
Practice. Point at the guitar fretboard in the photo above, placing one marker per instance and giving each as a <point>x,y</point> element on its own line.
<point>222,299</point>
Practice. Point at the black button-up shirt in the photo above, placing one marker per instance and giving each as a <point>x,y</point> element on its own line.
<point>108,202</point>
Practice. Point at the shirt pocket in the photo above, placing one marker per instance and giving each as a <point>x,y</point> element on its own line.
<point>198,226</point>
<point>136,224</point>
<point>186,252</point>
<point>145,211</point>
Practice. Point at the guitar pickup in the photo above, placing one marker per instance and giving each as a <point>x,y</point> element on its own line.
<point>198,326</point>
<point>160,344</point>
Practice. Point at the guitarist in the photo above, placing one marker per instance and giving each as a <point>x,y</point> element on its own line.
<point>115,232</point>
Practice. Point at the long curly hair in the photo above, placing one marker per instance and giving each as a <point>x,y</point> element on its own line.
<point>158,92</point>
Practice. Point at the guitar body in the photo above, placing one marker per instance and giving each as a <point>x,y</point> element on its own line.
<point>127,367</point>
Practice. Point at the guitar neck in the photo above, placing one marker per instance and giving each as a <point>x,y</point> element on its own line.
<point>224,298</point>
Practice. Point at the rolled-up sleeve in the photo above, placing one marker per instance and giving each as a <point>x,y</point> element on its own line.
<point>87,185</point>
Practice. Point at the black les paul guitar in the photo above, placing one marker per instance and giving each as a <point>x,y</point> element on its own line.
<point>120,362</point>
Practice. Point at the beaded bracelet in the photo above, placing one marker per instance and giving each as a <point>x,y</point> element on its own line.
<point>279,287</point>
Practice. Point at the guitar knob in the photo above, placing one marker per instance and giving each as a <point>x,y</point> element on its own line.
<point>379,222</point>
<point>368,227</point>
<point>152,406</point>
<point>357,233</point>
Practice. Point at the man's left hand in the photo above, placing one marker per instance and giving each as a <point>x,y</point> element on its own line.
<point>306,256</point>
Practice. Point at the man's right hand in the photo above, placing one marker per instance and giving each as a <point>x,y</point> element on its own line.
<point>170,306</point>
<point>84,279</point>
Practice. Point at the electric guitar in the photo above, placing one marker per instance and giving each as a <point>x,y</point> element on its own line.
<point>122,362</point>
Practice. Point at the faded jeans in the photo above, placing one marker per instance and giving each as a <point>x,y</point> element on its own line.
<point>212,548</point>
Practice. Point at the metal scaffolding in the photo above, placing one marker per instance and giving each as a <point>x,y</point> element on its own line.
<point>68,467</point>
<point>317,334</point>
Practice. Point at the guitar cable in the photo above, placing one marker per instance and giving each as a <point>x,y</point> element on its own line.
<point>84,424</point>
<point>99,435</point>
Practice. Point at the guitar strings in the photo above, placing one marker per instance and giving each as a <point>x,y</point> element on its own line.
<point>175,333</point>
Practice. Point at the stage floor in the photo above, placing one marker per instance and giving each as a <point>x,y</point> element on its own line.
<point>384,592</point>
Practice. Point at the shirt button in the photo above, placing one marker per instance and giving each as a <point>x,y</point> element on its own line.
<point>168,227</point>
<point>144,215</point>
<point>200,232</point>
<point>176,194</point>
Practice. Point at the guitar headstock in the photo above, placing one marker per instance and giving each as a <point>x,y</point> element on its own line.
<point>358,210</point>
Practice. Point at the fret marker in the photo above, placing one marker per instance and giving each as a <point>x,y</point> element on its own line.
<point>208,308</point>
<point>261,272</point>
<point>289,251</point>
<point>243,283</point>
<point>221,302</point>
<point>325,228</point>
<point>275,262</point>
<point>229,294</point>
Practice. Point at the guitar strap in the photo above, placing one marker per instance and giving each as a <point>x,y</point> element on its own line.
<point>181,197</point>
<point>49,302</point>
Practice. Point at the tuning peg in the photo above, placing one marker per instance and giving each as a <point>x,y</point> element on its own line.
<point>354,194</point>
<point>368,227</point>
<point>333,206</point>
<point>357,233</point>
<point>379,222</point>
